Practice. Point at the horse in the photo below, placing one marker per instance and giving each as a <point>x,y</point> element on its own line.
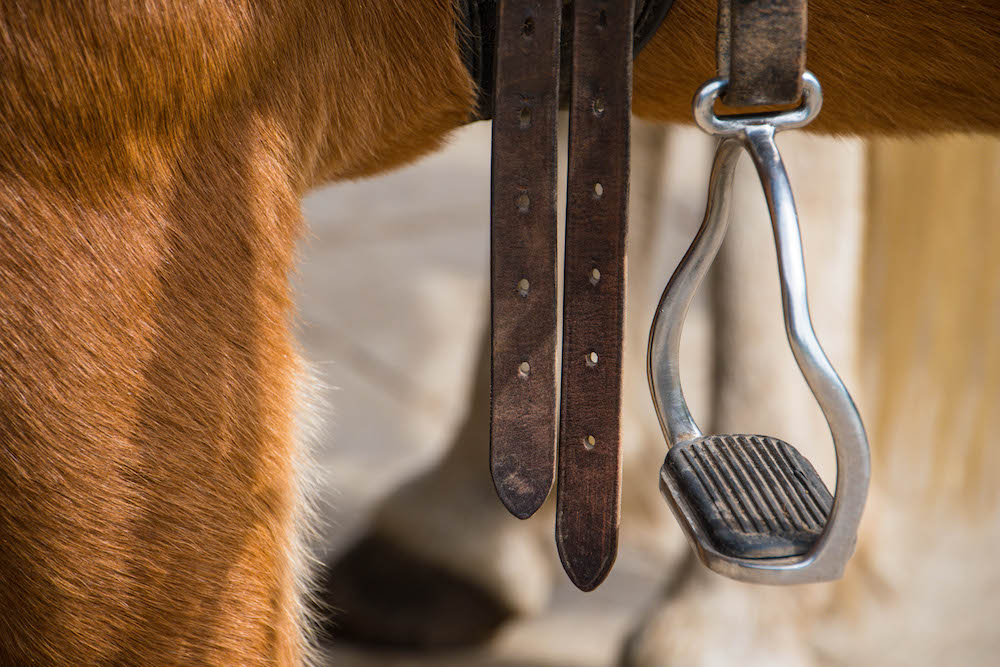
<point>151,393</point>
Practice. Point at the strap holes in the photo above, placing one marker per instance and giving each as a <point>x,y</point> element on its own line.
<point>595,276</point>
<point>602,19</point>
<point>525,117</point>
<point>524,369</point>
<point>528,27</point>
<point>523,202</point>
<point>598,106</point>
<point>589,442</point>
<point>523,286</point>
<point>592,359</point>
<point>598,190</point>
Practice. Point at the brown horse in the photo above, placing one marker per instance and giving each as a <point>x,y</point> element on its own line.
<point>152,158</point>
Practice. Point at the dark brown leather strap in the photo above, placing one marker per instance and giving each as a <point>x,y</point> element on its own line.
<point>523,253</point>
<point>762,51</point>
<point>530,44</point>
<point>588,494</point>
<point>477,36</point>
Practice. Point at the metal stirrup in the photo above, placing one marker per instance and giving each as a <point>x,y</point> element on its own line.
<point>752,507</point>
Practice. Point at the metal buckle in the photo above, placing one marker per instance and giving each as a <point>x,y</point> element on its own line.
<point>751,506</point>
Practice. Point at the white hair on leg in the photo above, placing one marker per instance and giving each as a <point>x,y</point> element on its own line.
<point>310,413</point>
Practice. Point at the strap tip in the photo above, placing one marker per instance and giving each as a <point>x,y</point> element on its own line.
<point>523,494</point>
<point>587,569</point>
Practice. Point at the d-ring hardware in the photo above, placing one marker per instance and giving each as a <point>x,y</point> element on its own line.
<point>752,507</point>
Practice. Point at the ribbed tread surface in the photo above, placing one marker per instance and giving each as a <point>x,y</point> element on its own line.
<point>756,495</point>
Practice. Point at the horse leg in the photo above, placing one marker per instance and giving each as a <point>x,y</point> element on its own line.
<point>443,563</point>
<point>147,386</point>
<point>151,163</point>
<point>931,359</point>
<point>449,523</point>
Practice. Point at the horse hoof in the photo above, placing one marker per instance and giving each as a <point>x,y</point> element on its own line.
<point>379,594</point>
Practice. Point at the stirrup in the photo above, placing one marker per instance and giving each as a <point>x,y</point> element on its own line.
<point>752,507</point>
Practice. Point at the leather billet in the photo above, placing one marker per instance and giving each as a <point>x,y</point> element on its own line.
<point>593,42</point>
<point>523,249</point>
<point>589,489</point>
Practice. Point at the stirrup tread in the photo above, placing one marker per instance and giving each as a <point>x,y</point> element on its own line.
<point>756,496</point>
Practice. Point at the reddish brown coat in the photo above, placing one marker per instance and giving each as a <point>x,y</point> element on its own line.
<point>151,160</point>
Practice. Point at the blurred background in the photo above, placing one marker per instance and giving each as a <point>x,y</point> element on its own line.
<point>423,567</point>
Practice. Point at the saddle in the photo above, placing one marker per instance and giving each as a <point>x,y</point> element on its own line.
<point>752,507</point>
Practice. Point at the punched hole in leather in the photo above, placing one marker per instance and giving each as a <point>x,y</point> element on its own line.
<point>532,40</point>
<point>588,495</point>
<point>523,253</point>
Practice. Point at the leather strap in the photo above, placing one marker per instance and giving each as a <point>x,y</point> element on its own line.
<point>588,494</point>
<point>532,41</point>
<point>523,253</point>
<point>761,49</point>
<point>478,41</point>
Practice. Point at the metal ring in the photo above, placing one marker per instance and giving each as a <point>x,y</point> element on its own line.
<point>703,108</point>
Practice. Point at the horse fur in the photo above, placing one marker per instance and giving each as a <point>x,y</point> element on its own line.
<point>152,157</point>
